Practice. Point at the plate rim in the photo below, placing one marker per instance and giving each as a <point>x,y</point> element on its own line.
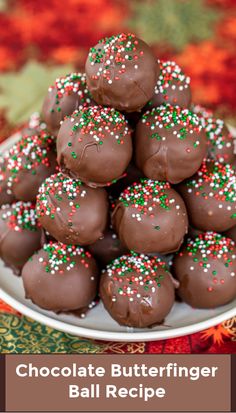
<point>111,335</point>
<point>104,334</point>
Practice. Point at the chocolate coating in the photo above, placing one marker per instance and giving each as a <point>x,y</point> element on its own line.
<point>137,291</point>
<point>94,145</point>
<point>172,87</point>
<point>231,233</point>
<point>122,72</point>
<point>107,248</point>
<point>67,94</point>
<point>31,160</point>
<point>20,234</point>
<point>72,212</point>
<point>61,278</point>
<point>150,217</point>
<point>131,175</point>
<point>170,144</point>
<point>210,197</point>
<point>206,270</point>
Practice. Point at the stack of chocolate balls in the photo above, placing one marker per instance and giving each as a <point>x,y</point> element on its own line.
<point>120,171</point>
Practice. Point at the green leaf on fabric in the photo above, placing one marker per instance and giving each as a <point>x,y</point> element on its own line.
<point>173,22</point>
<point>22,93</point>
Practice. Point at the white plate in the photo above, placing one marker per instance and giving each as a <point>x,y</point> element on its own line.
<point>98,324</point>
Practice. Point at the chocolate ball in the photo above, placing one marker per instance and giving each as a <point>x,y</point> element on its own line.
<point>231,233</point>
<point>94,145</point>
<point>210,197</point>
<point>72,212</point>
<point>107,248</point>
<point>137,290</point>
<point>170,144</point>
<point>6,195</point>
<point>61,278</point>
<point>20,234</point>
<point>150,217</point>
<point>31,160</point>
<point>67,94</point>
<point>172,86</point>
<point>122,72</point>
<point>206,269</point>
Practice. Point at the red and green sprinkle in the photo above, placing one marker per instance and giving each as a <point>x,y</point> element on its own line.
<point>133,271</point>
<point>210,248</point>
<point>145,196</point>
<point>99,123</point>
<point>61,258</point>
<point>171,77</point>
<point>115,50</point>
<point>20,216</point>
<point>59,187</point>
<point>221,180</point>
<point>71,83</point>
<point>181,121</point>
<point>28,154</point>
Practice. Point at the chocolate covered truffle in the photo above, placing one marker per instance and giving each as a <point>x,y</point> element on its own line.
<point>20,234</point>
<point>31,160</point>
<point>67,94</point>
<point>210,197</point>
<point>137,290</point>
<point>72,212</point>
<point>206,269</point>
<point>170,143</point>
<point>107,248</point>
<point>150,217</point>
<point>6,195</point>
<point>172,86</point>
<point>94,145</point>
<point>61,278</point>
<point>122,72</point>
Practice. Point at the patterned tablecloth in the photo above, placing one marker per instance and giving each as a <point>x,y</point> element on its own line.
<point>42,40</point>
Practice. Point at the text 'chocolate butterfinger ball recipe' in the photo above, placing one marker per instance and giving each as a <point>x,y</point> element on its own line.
<point>206,269</point>
<point>210,197</point>
<point>170,144</point>
<point>137,290</point>
<point>94,145</point>
<point>122,72</point>
<point>61,278</point>
<point>65,96</point>
<point>72,212</point>
<point>150,217</point>
<point>20,234</point>
<point>30,162</point>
